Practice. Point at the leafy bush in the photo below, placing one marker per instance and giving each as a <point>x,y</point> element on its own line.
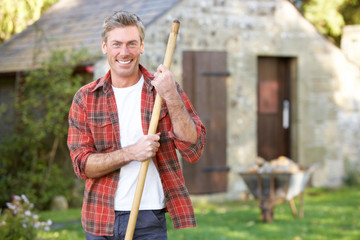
<point>34,159</point>
<point>19,223</point>
<point>352,170</point>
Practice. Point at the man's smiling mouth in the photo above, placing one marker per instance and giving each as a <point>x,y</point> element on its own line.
<point>124,62</point>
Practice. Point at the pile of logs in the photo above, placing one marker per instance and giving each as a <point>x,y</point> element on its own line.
<point>281,164</point>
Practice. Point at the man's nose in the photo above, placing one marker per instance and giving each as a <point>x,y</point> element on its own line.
<point>124,50</point>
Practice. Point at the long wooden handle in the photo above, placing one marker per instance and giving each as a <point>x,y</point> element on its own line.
<point>152,130</point>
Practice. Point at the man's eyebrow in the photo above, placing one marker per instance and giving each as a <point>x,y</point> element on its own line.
<point>118,41</point>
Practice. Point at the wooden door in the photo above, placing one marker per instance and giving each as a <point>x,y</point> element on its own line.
<point>204,81</point>
<point>273,125</point>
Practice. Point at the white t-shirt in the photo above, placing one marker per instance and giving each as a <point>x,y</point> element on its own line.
<point>128,102</point>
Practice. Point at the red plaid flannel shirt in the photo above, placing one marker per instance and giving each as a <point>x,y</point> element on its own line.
<point>94,128</point>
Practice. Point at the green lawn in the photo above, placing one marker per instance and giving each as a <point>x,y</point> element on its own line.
<point>329,214</point>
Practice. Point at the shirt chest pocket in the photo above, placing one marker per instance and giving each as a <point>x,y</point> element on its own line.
<point>102,132</point>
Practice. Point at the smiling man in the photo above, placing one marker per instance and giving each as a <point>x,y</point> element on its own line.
<point>123,47</point>
<point>108,124</point>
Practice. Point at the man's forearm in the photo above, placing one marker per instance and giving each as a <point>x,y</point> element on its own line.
<point>184,127</point>
<point>100,164</point>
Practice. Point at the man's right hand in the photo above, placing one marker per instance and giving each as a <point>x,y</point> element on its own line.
<point>100,164</point>
<point>145,148</point>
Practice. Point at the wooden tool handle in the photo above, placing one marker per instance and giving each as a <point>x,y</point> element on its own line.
<point>152,130</point>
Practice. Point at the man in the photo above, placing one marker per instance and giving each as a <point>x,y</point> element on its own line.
<point>108,123</point>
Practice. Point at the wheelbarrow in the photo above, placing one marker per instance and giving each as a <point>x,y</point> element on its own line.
<point>274,188</point>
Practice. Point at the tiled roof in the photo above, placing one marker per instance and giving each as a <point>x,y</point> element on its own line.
<point>71,24</point>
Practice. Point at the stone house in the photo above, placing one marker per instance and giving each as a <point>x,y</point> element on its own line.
<point>264,81</point>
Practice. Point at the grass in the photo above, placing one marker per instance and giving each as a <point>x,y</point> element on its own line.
<point>329,214</point>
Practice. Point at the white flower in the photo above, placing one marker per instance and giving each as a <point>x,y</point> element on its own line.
<point>10,206</point>
<point>25,198</point>
<point>36,225</point>
<point>35,217</point>
<point>49,222</point>
<point>24,225</point>
<point>17,198</point>
<point>27,213</point>
<point>47,228</point>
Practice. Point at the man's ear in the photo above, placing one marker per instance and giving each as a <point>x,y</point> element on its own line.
<point>103,47</point>
<point>142,47</point>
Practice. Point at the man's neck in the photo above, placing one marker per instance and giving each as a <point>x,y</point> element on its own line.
<point>124,82</point>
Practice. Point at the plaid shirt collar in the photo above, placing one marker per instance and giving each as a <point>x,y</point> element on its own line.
<point>105,82</point>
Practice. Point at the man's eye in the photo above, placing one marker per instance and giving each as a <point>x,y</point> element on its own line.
<point>116,44</point>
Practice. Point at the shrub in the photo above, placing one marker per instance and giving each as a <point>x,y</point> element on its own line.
<point>352,170</point>
<point>34,159</point>
<point>19,222</point>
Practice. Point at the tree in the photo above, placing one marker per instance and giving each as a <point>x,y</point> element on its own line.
<point>16,15</point>
<point>28,164</point>
<point>351,12</point>
<point>329,17</point>
<point>325,15</point>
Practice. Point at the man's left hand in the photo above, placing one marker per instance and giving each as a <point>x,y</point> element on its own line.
<point>164,83</point>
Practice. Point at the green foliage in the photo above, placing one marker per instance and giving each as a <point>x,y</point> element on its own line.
<point>16,15</point>
<point>18,222</point>
<point>29,161</point>
<point>326,17</point>
<point>351,12</point>
<point>352,174</point>
<point>330,16</point>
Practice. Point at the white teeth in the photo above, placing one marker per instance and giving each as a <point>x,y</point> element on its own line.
<point>122,62</point>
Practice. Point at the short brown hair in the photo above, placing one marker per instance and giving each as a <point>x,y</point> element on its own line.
<point>122,19</point>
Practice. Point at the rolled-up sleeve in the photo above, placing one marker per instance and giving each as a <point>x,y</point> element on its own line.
<point>191,152</point>
<point>80,141</point>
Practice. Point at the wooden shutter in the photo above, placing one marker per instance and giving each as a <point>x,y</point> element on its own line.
<point>204,81</point>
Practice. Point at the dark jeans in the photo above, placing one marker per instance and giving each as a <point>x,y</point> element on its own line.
<point>150,224</point>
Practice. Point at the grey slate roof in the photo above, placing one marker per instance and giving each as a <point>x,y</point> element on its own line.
<point>71,24</point>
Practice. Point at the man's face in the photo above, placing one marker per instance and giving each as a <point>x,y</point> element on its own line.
<point>123,49</point>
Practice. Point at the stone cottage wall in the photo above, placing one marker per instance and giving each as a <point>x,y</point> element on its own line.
<point>326,125</point>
